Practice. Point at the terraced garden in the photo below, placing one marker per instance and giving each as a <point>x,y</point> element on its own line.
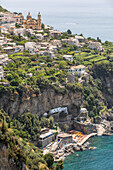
<point>95,56</point>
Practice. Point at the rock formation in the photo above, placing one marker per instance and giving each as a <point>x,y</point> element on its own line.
<point>48,99</point>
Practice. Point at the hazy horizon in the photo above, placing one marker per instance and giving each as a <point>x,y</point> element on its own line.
<point>62,5</point>
<point>90,17</point>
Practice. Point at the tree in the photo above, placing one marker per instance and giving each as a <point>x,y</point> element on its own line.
<point>59,165</point>
<point>62,64</point>
<point>14,82</point>
<point>51,122</point>
<point>4,126</point>
<point>49,159</point>
<point>64,44</point>
<point>17,25</point>
<point>15,13</point>
<point>65,127</point>
<point>98,39</point>
<point>69,31</point>
<point>42,26</point>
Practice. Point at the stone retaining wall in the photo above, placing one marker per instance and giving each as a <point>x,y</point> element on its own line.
<point>87,129</point>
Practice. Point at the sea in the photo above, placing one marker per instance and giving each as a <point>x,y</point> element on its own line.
<point>99,159</point>
<point>92,18</point>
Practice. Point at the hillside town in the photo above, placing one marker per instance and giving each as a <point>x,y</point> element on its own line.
<point>46,42</point>
<point>24,38</point>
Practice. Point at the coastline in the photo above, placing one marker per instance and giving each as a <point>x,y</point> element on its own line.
<point>60,153</point>
<point>100,158</point>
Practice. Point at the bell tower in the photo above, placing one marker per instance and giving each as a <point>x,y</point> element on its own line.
<point>39,21</point>
<point>29,16</point>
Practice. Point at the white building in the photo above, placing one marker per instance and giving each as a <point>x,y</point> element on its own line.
<point>80,70</point>
<point>19,48</point>
<point>55,33</point>
<point>1,73</point>
<point>30,46</point>
<point>29,74</point>
<point>68,57</point>
<point>3,59</point>
<point>12,50</point>
<point>83,110</point>
<point>56,43</point>
<point>46,53</point>
<point>71,41</point>
<point>19,31</point>
<point>44,44</point>
<point>3,40</point>
<point>9,50</point>
<point>3,29</point>
<point>95,45</point>
<point>53,48</point>
<point>7,17</point>
<point>80,38</point>
<point>39,36</point>
<point>58,110</point>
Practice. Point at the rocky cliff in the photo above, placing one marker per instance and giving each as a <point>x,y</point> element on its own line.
<point>107,83</point>
<point>39,104</point>
<point>104,73</point>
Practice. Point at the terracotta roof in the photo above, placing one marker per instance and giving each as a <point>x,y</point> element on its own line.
<point>76,67</point>
<point>16,16</point>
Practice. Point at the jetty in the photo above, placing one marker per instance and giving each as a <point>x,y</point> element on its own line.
<point>80,143</point>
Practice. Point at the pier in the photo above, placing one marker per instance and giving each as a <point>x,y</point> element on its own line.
<point>86,138</point>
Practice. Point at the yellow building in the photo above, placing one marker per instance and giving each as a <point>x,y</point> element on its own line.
<point>31,23</point>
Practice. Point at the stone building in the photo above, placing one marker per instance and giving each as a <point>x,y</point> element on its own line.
<point>8,17</point>
<point>46,137</point>
<point>95,45</point>
<point>80,70</point>
<point>31,23</point>
<point>65,138</point>
<point>18,18</point>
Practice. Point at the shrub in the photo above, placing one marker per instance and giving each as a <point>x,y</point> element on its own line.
<point>49,159</point>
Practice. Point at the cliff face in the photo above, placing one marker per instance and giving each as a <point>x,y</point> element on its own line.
<point>5,163</point>
<point>107,89</point>
<point>48,99</point>
<point>104,72</point>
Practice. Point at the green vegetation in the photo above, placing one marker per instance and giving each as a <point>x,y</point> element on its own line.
<point>2,9</point>
<point>90,57</point>
<point>29,75</point>
<point>52,73</point>
<point>20,150</point>
<point>27,126</point>
<point>93,99</point>
<point>49,159</point>
<point>59,165</point>
<point>45,71</point>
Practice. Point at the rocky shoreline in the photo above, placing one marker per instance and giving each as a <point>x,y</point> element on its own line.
<point>71,148</point>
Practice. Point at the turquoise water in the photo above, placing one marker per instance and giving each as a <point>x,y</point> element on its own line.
<point>99,159</point>
<point>91,17</point>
